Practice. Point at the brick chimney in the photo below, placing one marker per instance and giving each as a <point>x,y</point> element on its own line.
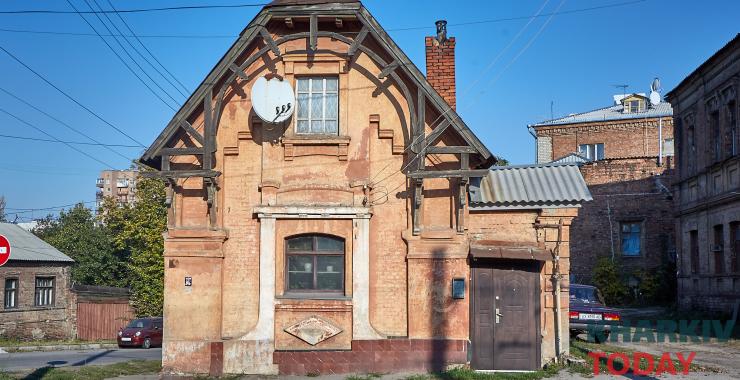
<point>441,63</point>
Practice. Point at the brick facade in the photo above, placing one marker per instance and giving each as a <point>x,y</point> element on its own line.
<point>440,58</point>
<point>707,106</point>
<point>395,309</point>
<point>629,185</point>
<point>29,322</point>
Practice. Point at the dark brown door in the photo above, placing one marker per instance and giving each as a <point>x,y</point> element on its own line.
<point>505,311</point>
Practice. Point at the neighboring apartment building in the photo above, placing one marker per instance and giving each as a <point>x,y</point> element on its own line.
<point>117,184</point>
<point>36,289</point>
<point>363,234</point>
<point>708,182</point>
<point>625,153</point>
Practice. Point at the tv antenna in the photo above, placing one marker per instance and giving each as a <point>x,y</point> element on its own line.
<point>624,89</point>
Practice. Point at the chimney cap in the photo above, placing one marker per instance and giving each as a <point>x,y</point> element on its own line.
<point>441,30</point>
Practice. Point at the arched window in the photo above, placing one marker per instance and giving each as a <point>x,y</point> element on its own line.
<point>315,263</point>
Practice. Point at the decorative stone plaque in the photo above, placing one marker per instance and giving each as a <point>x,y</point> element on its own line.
<point>313,330</point>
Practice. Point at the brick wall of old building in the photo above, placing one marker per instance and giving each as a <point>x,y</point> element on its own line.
<point>624,191</point>
<point>706,107</point>
<point>30,322</point>
<point>440,58</point>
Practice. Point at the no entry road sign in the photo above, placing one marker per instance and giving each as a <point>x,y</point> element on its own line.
<point>4,250</point>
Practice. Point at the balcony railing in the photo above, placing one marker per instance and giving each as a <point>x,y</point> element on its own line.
<point>100,182</point>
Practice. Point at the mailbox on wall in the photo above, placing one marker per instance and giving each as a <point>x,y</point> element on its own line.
<point>458,288</point>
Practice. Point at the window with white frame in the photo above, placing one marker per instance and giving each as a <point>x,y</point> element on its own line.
<point>591,151</point>
<point>318,105</point>
<point>11,293</point>
<point>44,291</point>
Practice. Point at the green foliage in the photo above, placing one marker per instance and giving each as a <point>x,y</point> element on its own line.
<point>607,277</point>
<point>137,235</point>
<point>77,234</point>
<point>500,161</point>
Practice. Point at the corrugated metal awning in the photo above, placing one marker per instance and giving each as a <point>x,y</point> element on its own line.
<point>529,187</point>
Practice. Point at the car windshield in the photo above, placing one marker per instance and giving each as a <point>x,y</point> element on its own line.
<point>585,294</point>
<point>137,324</point>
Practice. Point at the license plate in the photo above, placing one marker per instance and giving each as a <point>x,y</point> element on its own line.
<point>589,317</point>
<point>125,339</point>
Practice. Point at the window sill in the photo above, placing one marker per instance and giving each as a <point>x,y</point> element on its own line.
<point>315,145</point>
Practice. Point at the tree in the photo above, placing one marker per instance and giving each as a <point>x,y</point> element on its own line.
<point>137,237</point>
<point>500,161</point>
<point>76,234</point>
<point>2,209</point>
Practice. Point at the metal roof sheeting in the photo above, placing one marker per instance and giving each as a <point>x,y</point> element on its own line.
<point>25,246</point>
<point>529,186</point>
<point>662,109</point>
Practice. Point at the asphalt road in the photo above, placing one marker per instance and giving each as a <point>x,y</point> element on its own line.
<point>24,361</point>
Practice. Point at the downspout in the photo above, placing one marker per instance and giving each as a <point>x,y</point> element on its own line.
<point>660,141</point>
<point>556,278</point>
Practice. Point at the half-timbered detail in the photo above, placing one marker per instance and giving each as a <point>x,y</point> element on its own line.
<point>338,231</point>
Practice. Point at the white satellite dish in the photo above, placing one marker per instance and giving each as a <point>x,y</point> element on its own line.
<point>273,100</point>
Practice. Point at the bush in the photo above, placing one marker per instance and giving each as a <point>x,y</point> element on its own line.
<point>607,277</point>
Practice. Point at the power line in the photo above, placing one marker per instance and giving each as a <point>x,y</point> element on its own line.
<point>70,97</point>
<point>135,49</point>
<point>46,208</point>
<point>139,10</point>
<point>44,132</point>
<point>121,58</point>
<point>107,146</point>
<point>193,36</point>
<point>68,142</point>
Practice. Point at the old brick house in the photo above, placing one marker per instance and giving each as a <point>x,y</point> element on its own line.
<point>708,182</point>
<point>625,152</point>
<point>36,282</point>
<point>364,232</point>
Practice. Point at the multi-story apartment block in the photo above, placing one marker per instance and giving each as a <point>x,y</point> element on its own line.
<point>625,153</point>
<point>117,184</point>
<point>708,182</point>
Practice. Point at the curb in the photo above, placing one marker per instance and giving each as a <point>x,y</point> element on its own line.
<point>60,347</point>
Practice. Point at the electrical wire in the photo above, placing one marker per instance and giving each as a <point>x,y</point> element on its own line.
<point>47,208</point>
<point>139,10</point>
<point>70,96</point>
<point>69,142</point>
<point>123,60</point>
<point>96,142</point>
<point>131,30</point>
<point>48,134</point>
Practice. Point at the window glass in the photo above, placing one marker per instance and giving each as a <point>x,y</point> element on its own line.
<point>318,105</point>
<point>631,239</point>
<point>325,243</point>
<point>304,243</point>
<point>44,291</point>
<point>11,293</point>
<point>592,151</point>
<point>315,264</point>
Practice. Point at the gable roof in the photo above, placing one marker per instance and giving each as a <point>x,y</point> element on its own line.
<point>662,109</point>
<point>529,187</point>
<point>285,8</point>
<point>25,246</point>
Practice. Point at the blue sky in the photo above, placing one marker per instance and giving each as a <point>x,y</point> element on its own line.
<point>573,61</point>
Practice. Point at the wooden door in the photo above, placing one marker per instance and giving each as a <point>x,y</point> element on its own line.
<point>505,312</point>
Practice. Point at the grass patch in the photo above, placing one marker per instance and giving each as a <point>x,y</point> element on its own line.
<point>369,376</point>
<point>469,374</point>
<point>91,372</point>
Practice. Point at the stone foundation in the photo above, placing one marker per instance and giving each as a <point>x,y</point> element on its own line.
<point>375,356</point>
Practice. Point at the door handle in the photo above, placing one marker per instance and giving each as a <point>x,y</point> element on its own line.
<point>498,315</point>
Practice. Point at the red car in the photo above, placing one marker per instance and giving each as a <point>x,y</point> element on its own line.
<point>141,332</point>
